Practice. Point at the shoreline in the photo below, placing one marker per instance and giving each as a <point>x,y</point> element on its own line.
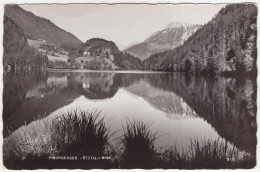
<point>138,72</point>
<point>108,71</point>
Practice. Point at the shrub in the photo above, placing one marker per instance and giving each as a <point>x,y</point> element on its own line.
<point>138,145</point>
<point>81,133</point>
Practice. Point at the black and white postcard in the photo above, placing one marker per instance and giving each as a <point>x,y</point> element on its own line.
<point>116,85</point>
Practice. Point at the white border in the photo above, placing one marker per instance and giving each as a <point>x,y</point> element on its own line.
<point>3,2</point>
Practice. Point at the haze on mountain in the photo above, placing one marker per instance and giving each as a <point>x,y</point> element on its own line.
<point>224,45</point>
<point>173,35</point>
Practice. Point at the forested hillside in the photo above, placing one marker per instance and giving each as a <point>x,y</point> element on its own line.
<point>226,44</point>
<point>101,54</point>
<point>17,53</point>
<point>39,28</point>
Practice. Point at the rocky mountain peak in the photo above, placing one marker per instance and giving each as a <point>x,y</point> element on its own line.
<point>178,25</point>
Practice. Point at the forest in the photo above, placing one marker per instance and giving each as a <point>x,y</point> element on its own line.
<point>225,45</point>
<point>17,53</point>
<point>98,47</point>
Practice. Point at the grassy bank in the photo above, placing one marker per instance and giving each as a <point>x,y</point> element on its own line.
<point>80,140</point>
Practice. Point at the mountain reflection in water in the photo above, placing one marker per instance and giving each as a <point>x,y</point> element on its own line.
<point>180,107</point>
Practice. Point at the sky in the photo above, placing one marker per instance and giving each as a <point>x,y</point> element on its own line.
<point>121,23</point>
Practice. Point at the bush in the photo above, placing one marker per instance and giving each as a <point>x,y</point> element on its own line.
<point>80,133</point>
<point>138,146</point>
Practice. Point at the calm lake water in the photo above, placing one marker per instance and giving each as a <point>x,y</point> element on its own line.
<point>178,106</point>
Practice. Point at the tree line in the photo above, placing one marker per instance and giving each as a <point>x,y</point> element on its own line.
<point>226,44</point>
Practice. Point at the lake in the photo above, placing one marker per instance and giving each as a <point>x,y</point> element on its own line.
<point>178,106</point>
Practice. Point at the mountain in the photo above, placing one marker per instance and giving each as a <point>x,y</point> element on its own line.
<point>130,45</point>
<point>168,102</point>
<point>35,27</point>
<point>173,35</point>
<point>100,54</point>
<point>17,53</point>
<point>225,45</point>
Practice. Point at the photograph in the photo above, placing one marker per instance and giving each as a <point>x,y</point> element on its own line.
<point>129,86</point>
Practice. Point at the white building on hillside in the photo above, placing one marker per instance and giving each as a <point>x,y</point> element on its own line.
<point>86,53</point>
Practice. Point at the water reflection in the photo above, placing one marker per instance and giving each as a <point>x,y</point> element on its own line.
<point>179,105</point>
